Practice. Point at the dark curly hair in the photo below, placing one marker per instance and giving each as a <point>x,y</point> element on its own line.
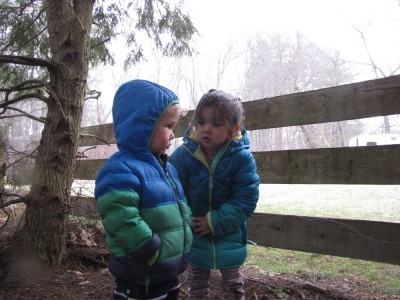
<point>227,106</point>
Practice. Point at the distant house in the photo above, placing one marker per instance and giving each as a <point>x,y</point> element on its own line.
<point>375,139</point>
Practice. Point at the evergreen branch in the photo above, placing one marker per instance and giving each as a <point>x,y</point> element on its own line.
<point>23,29</point>
<point>26,42</point>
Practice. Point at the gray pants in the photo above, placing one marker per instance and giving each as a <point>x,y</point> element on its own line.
<point>232,283</point>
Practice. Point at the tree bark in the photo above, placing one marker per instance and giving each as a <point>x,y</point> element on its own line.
<point>43,230</point>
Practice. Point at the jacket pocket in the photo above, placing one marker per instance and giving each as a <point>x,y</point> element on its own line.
<point>125,267</point>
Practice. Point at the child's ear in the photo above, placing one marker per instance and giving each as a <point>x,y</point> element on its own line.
<point>236,128</point>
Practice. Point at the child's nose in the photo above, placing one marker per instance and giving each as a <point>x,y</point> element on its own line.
<point>207,127</point>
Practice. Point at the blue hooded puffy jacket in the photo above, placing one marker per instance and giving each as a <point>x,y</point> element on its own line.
<point>138,194</point>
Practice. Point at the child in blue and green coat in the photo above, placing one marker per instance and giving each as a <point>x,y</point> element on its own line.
<point>219,176</point>
<point>139,196</point>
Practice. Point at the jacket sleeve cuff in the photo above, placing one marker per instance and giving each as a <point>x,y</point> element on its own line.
<point>144,253</point>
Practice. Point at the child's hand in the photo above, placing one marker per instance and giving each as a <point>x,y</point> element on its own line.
<point>200,226</point>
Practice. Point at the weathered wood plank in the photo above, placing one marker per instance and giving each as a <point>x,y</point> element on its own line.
<point>84,207</point>
<point>354,165</point>
<point>366,99</point>
<point>368,240</point>
<point>97,135</point>
<point>87,169</point>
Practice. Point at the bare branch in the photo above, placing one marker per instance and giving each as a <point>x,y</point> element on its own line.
<point>26,85</point>
<point>39,83</point>
<point>4,204</point>
<point>395,70</point>
<point>6,103</point>
<point>23,155</point>
<point>100,43</point>
<point>26,60</point>
<point>8,218</point>
<point>373,64</point>
<point>81,135</point>
<point>82,154</point>
<point>9,195</point>
<point>20,88</point>
<point>22,114</point>
<point>13,201</point>
<point>93,95</point>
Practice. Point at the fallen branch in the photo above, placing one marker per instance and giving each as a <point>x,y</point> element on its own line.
<point>314,287</point>
<point>273,288</point>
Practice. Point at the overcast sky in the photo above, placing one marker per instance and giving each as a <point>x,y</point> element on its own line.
<point>327,23</point>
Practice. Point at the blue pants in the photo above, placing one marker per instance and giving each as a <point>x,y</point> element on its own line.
<point>127,290</point>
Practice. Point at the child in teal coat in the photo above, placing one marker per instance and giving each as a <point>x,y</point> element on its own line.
<point>219,176</point>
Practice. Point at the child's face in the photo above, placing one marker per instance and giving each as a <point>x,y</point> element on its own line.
<point>163,134</point>
<point>211,130</point>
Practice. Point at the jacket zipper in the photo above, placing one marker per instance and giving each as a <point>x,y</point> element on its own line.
<point>172,182</point>
<point>211,169</point>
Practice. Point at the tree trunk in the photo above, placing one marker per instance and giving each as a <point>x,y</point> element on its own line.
<point>386,124</point>
<point>43,230</point>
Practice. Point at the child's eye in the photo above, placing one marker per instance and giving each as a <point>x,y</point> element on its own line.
<point>200,122</point>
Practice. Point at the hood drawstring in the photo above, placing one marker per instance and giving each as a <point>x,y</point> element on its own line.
<point>147,280</point>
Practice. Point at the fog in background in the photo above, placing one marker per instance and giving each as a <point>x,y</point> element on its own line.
<point>226,27</point>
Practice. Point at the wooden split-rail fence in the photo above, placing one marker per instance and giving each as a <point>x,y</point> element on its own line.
<point>375,165</point>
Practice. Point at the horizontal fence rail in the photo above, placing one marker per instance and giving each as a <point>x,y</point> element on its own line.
<point>366,99</point>
<point>357,165</point>
<point>369,240</point>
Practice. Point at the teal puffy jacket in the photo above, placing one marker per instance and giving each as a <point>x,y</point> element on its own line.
<point>138,194</point>
<point>225,192</point>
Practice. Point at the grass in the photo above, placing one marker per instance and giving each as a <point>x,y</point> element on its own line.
<point>362,202</point>
<point>321,268</point>
<point>378,203</point>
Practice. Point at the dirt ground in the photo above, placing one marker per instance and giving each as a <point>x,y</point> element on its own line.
<point>85,276</point>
